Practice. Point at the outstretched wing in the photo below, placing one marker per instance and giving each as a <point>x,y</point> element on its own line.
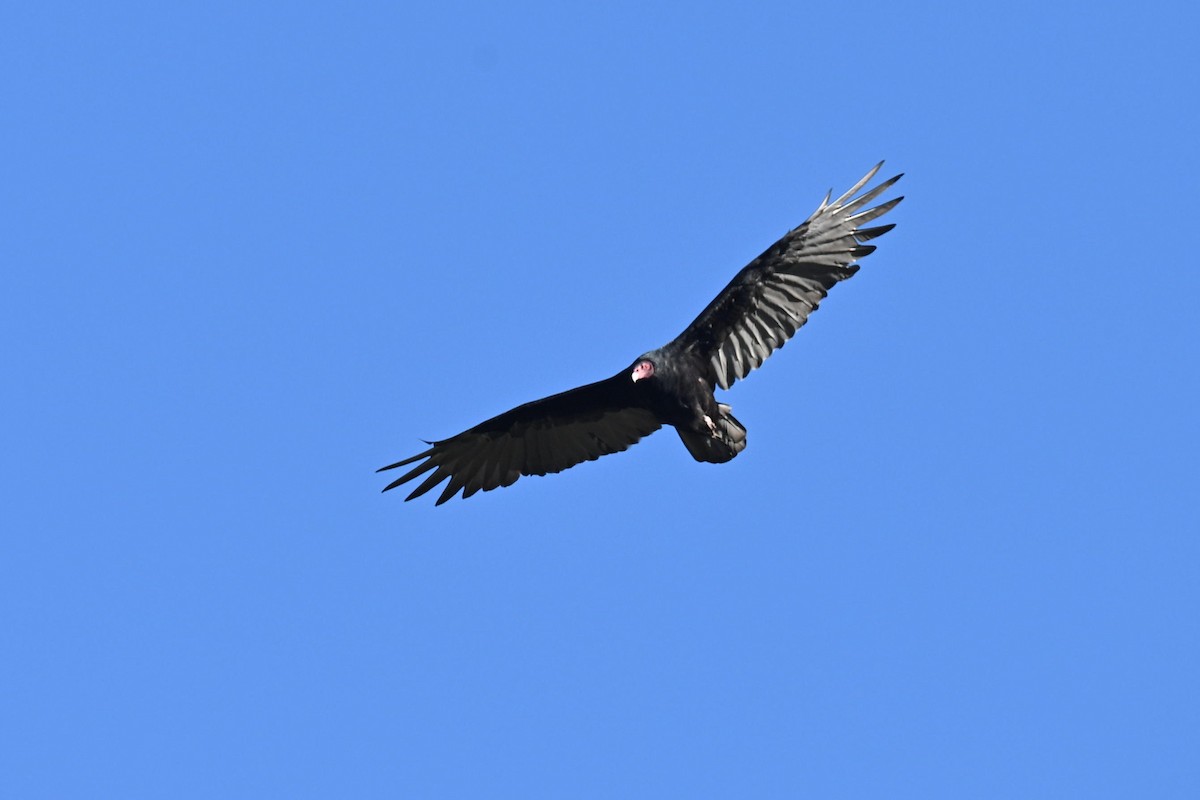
<point>547,435</point>
<point>771,298</point>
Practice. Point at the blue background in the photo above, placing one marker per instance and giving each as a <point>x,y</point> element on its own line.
<point>251,252</point>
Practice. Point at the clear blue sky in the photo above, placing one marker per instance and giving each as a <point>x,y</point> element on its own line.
<point>251,252</point>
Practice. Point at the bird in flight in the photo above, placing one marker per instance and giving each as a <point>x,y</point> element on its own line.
<point>760,309</point>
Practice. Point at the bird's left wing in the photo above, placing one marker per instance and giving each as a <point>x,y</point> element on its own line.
<point>547,435</point>
<point>771,298</point>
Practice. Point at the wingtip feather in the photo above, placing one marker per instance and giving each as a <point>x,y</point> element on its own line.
<point>427,484</point>
<point>417,457</point>
<point>412,473</point>
<point>863,181</point>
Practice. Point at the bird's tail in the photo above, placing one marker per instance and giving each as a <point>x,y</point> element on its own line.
<point>719,447</point>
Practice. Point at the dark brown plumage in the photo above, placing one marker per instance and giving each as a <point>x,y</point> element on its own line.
<point>760,309</point>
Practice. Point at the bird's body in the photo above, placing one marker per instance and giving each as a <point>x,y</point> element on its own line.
<point>760,309</point>
<point>677,394</point>
<point>681,395</point>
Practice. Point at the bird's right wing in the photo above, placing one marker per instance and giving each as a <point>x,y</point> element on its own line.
<point>547,435</point>
<point>773,295</point>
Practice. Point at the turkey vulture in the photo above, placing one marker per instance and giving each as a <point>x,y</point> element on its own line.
<point>756,313</point>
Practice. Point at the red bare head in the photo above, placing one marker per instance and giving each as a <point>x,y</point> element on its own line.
<point>644,369</point>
